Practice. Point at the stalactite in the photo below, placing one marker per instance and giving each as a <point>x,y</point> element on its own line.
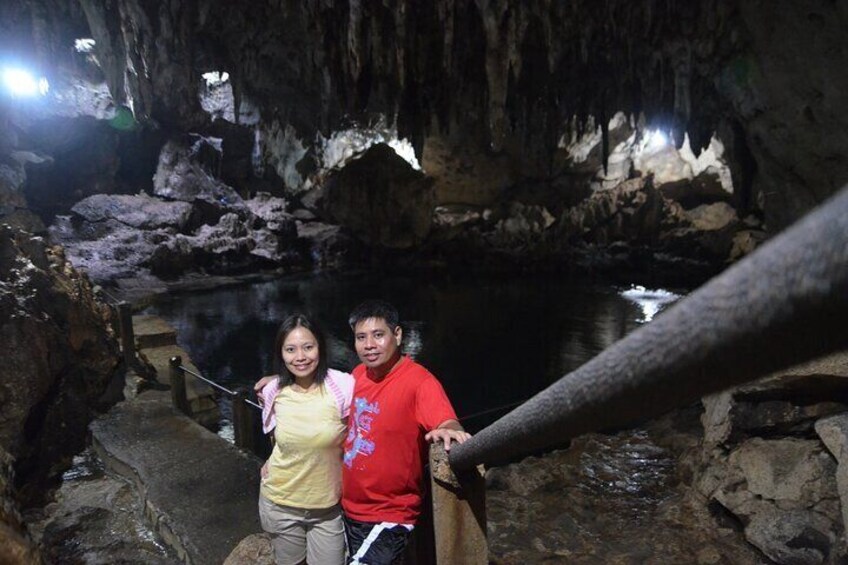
<point>354,32</point>
<point>400,16</point>
<point>497,67</point>
<point>605,148</point>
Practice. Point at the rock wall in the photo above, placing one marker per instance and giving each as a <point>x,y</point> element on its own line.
<point>773,458</point>
<point>60,354</point>
<point>507,76</point>
<point>491,95</point>
<point>16,546</point>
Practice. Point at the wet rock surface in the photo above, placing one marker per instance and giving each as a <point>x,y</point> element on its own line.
<point>606,499</point>
<point>96,517</point>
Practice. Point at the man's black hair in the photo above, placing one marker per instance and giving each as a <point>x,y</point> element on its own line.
<point>288,326</point>
<point>375,309</point>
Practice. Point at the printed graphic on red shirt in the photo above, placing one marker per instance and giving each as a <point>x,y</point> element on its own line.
<point>360,430</point>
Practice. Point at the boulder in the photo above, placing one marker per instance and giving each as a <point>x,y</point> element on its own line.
<point>230,247</point>
<point>187,171</point>
<point>785,493</point>
<point>633,211</point>
<point>705,188</point>
<point>139,211</point>
<point>797,537</point>
<point>109,249</point>
<point>522,224</point>
<point>381,199</point>
<point>834,433</point>
<point>252,550</point>
<point>712,217</point>
<point>272,211</point>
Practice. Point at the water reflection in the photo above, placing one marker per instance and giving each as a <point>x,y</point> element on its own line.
<point>491,342</point>
<point>650,301</point>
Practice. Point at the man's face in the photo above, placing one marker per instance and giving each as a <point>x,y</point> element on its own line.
<point>376,343</point>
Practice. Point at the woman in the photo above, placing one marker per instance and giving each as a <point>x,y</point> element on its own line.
<point>307,407</point>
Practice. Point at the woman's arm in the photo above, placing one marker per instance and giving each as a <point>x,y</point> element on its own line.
<point>260,384</point>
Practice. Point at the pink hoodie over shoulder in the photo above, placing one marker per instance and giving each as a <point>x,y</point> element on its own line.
<point>338,383</point>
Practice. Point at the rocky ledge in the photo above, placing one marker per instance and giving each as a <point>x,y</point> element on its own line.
<point>60,357</point>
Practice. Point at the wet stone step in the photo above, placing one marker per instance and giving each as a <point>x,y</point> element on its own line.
<point>153,331</point>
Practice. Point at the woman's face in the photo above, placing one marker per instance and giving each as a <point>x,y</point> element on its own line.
<point>300,353</point>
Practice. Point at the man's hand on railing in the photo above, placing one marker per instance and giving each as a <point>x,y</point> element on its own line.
<point>448,431</point>
<point>260,384</point>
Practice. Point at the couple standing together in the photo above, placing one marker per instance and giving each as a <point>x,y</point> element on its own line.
<point>359,440</point>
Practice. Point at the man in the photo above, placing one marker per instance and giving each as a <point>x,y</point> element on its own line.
<point>397,407</point>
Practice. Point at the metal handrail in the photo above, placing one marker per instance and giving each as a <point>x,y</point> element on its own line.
<point>216,385</point>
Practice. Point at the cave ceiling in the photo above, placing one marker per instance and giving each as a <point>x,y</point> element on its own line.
<point>511,76</point>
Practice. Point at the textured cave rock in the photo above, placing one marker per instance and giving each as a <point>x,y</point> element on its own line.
<point>127,236</point>
<point>766,458</point>
<point>60,354</point>
<point>113,236</point>
<point>834,433</point>
<point>228,247</point>
<point>189,170</point>
<point>140,211</point>
<point>507,76</point>
<point>14,209</point>
<point>381,198</point>
<point>17,546</point>
<point>255,549</point>
<point>785,492</point>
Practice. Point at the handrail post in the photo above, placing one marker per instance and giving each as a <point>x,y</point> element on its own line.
<point>127,333</point>
<point>178,386</point>
<point>459,511</point>
<point>244,422</point>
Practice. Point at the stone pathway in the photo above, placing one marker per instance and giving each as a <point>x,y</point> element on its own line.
<point>199,492</point>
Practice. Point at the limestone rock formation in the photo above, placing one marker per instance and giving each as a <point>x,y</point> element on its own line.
<point>381,199</point>
<point>17,546</point>
<point>60,354</point>
<point>189,169</point>
<point>784,490</point>
<point>140,211</point>
<point>228,247</point>
<point>122,236</point>
<point>834,433</point>
<point>765,459</point>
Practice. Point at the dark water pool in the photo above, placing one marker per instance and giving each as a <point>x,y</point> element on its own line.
<point>492,342</point>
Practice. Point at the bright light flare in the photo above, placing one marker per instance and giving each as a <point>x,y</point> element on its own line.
<point>657,139</point>
<point>84,45</point>
<point>21,83</point>
<point>216,78</point>
<point>649,301</point>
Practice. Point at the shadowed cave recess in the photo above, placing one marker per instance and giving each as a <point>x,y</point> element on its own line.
<point>149,146</point>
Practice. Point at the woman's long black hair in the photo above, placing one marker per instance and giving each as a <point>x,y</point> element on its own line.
<point>289,325</point>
